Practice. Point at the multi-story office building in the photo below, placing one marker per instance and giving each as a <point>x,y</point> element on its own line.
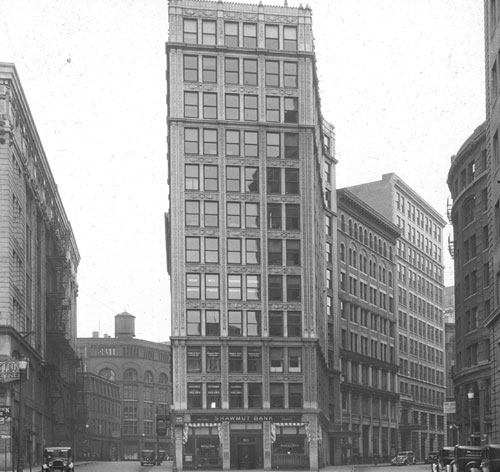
<point>470,247</point>
<point>37,288</point>
<point>420,311</point>
<point>142,370</point>
<point>246,237</point>
<point>367,268</point>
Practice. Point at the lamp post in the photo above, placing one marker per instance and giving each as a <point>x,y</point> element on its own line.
<point>23,365</point>
<point>470,396</point>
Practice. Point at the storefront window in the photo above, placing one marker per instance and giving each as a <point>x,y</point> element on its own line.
<point>202,451</point>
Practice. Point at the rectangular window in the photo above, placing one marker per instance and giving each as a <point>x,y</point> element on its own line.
<point>250,108</point>
<point>193,286</point>
<point>254,395</point>
<point>272,37</point>
<point>294,324</point>
<point>253,329</point>
<point>211,250</point>
<point>213,359</point>
<point>252,247</point>
<point>209,69</point>
<point>210,142</point>
<point>233,215</point>
<point>194,359</point>
<point>292,211</point>
<point>272,109</point>
<point>190,68</point>
<point>276,359</point>
<point>232,143</point>
<point>235,395</point>
<point>251,148</point>
<point>253,287</point>
<point>272,74</point>
<point>233,182</point>
<point>232,70</point>
<point>211,286</point>
<point>249,71</point>
<point>276,323</point>
<point>193,249</point>
<point>251,180</point>
<point>295,395</point>
<point>273,180</point>
<point>249,35</point>
<point>234,288</point>
<point>232,106</point>
<point>190,31</point>
<point>233,251</point>
<point>292,181</point>
<point>277,395</point>
<point>213,395</point>
<point>210,178</point>
<point>274,252</point>
<point>291,146</point>
<point>208,32</point>
<point>275,287</point>
<point>235,322</point>
<point>192,177</point>
<point>252,215</point>
<point>193,318</point>
<point>290,72</point>
<point>293,252</point>
<point>194,395</point>
<point>211,216</point>
<point>190,104</point>
<point>274,215</point>
<point>290,38</point>
<point>191,141</point>
<point>231,34</point>
<point>291,110</point>
<point>192,213</point>
<point>212,323</point>
<point>273,145</point>
<point>209,105</point>
<point>293,288</point>
<point>235,359</point>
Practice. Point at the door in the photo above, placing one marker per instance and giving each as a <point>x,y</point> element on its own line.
<point>246,456</point>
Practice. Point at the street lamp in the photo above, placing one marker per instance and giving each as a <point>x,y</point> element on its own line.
<point>470,396</point>
<point>23,366</point>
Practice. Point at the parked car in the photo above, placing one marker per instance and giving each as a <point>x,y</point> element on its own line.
<point>57,459</point>
<point>490,456</point>
<point>432,457</point>
<point>467,459</point>
<point>404,458</point>
<point>446,457</point>
<point>148,457</point>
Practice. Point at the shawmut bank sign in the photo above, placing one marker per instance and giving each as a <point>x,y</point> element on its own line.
<point>245,418</point>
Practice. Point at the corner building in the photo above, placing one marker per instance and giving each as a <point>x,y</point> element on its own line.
<point>246,238</point>
<point>419,306</point>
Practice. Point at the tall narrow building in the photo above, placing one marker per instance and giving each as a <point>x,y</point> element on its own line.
<point>419,306</point>
<point>246,238</point>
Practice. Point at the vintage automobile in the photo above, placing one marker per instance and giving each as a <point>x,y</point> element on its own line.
<point>467,459</point>
<point>404,458</point>
<point>148,457</point>
<point>445,458</point>
<point>57,458</point>
<point>490,458</point>
<point>432,457</point>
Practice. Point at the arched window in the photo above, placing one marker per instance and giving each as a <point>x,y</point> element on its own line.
<point>350,227</point>
<point>385,249</point>
<point>371,241</point>
<point>162,379</point>
<point>342,252</point>
<point>354,257</point>
<point>130,374</point>
<point>366,237</point>
<point>342,223</point>
<point>107,373</point>
<point>390,279</point>
<point>148,377</point>
<point>355,231</point>
<point>350,256</point>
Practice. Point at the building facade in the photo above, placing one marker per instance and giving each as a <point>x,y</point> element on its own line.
<point>468,183</point>
<point>142,370</point>
<point>449,361</point>
<point>246,238</point>
<point>38,289</point>
<point>369,350</point>
<point>419,306</point>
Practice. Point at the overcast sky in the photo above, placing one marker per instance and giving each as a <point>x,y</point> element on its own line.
<point>401,80</point>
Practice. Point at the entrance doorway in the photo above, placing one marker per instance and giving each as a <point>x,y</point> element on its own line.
<point>246,456</point>
<point>246,450</point>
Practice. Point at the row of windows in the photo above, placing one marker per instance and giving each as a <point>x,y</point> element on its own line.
<point>420,261</point>
<point>435,315</point>
<point>242,179</point>
<point>243,395</point>
<point>368,376</point>
<point>236,34</point>
<point>367,293</point>
<point>241,143</point>
<point>131,392</point>
<point>422,350</point>
<point>369,267</point>
<point>363,317</point>
<point>245,323</point>
<point>242,71</point>
<point>358,343</point>
<point>237,107</point>
<point>242,215</point>
<point>418,217</point>
<point>132,375</point>
<point>418,283</point>
<point>423,243</point>
<point>421,372</point>
<point>423,395</point>
<point>419,305</point>
<point>420,328</point>
<point>103,406</point>
<point>369,405</point>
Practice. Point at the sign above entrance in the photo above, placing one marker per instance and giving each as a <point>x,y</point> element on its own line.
<point>245,418</point>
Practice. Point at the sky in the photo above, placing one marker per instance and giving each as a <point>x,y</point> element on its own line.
<point>402,81</point>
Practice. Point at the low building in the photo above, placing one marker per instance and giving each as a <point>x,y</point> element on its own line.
<point>142,370</point>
